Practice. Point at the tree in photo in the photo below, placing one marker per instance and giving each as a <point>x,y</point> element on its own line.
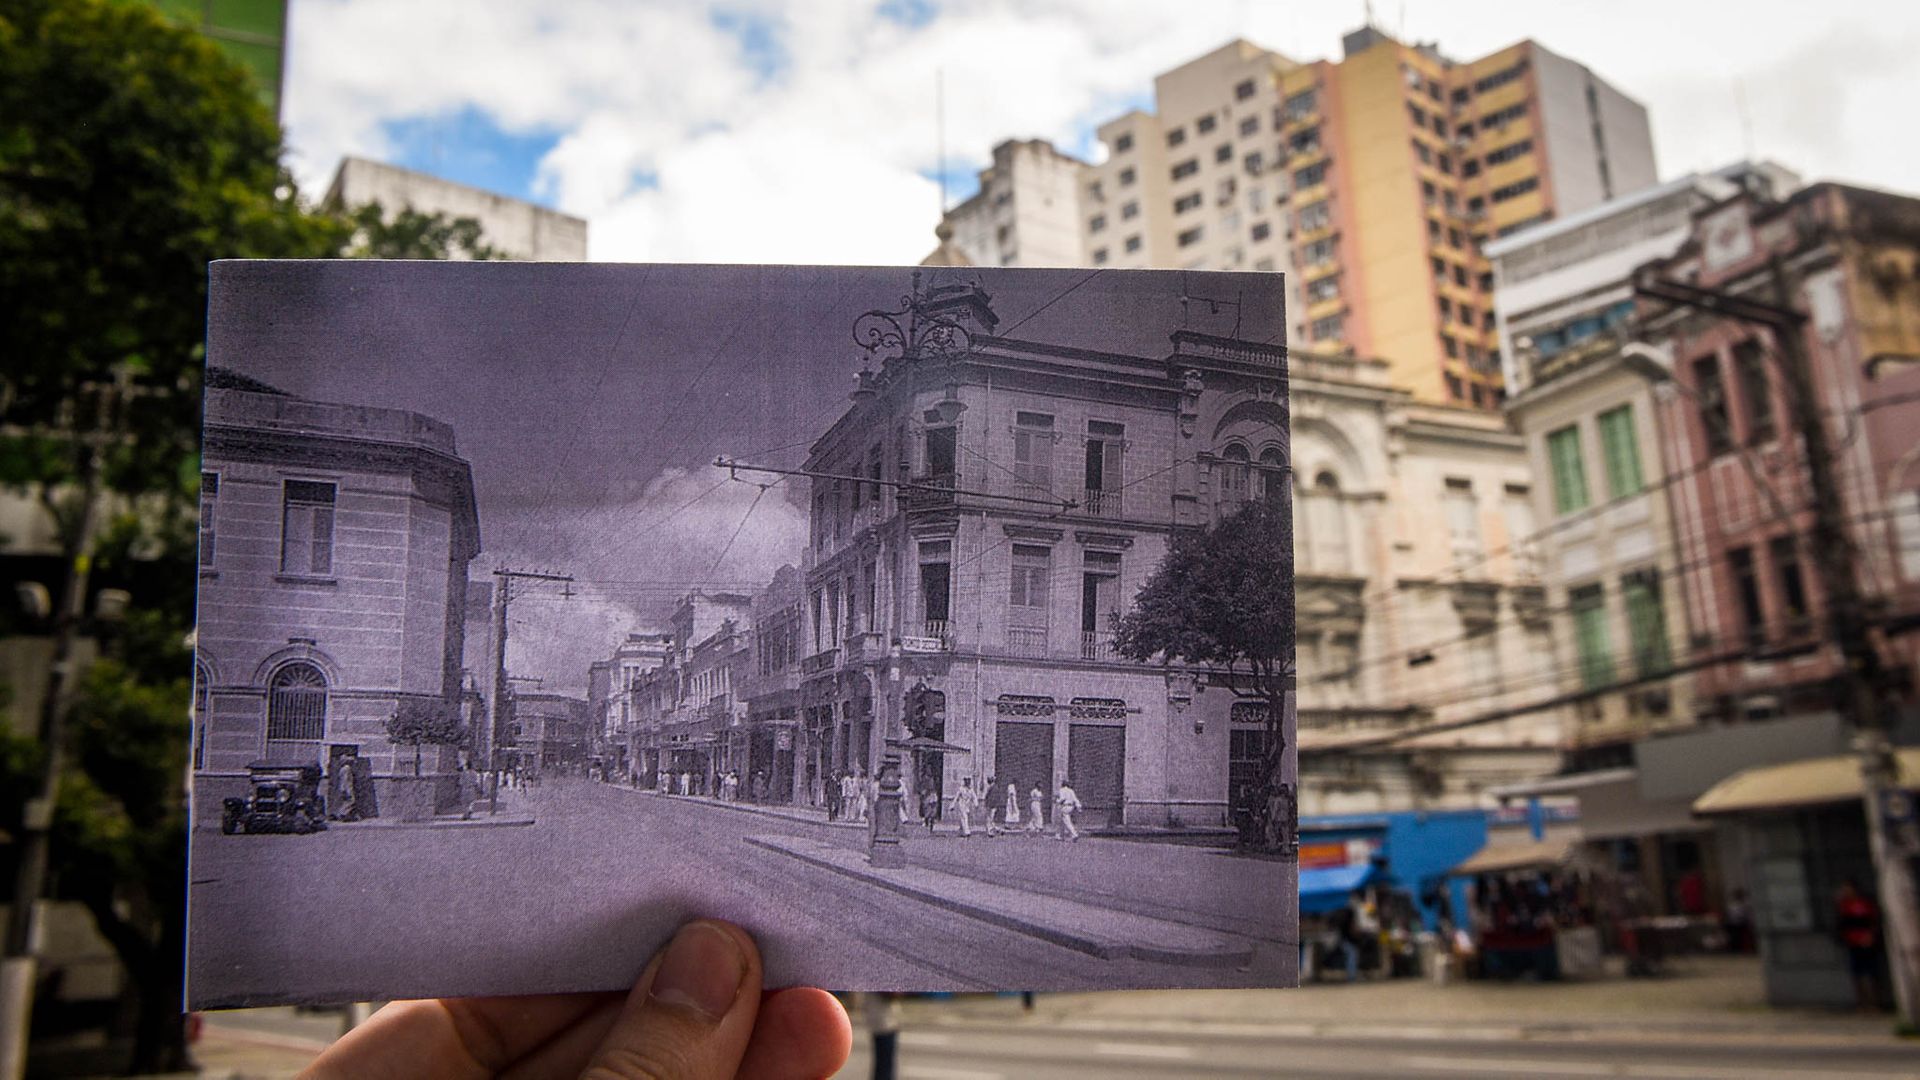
<point>419,722</point>
<point>1222,600</point>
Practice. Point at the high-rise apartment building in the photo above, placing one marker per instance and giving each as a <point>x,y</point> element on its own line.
<point>1374,180</point>
<point>1026,212</point>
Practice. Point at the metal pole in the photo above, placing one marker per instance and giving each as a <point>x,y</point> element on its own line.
<point>23,945</point>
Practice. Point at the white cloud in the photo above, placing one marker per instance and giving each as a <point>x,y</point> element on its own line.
<point>676,147</point>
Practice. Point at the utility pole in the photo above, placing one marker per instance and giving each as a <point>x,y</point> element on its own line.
<point>496,715</point>
<point>1863,681</point>
<point>23,945</point>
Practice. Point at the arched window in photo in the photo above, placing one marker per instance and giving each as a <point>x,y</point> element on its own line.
<point>1273,476</point>
<point>1233,468</point>
<point>297,704</point>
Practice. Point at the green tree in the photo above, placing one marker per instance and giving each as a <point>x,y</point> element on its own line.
<point>1222,600</point>
<point>411,234</point>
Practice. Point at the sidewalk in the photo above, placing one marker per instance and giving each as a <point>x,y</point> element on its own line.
<point>804,814</point>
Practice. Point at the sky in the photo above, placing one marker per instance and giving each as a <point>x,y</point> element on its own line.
<point>812,132</point>
<point>591,400</point>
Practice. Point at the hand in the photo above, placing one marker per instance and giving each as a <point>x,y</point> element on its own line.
<point>697,1013</point>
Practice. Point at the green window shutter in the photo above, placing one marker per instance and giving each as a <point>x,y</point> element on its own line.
<point>1646,625</point>
<point>1622,451</point>
<point>1569,473</point>
<point>1590,637</point>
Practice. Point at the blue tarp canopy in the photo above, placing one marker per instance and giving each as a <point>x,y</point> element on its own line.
<point>1326,888</point>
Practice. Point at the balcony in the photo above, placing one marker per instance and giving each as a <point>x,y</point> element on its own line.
<point>865,646</point>
<point>929,491</point>
<point>1027,640</point>
<point>1101,503</point>
<point>936,636</point>
<point>1097,645</point>
<point>820,661</point>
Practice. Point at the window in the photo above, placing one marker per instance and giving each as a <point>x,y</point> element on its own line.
<point>1445,164</point>
<point>1132,245</point>
<point>1433,90</point>
<point>306,528</point>
<point>1244,90</point>
<point>1509,152</point>
<point>942,448</point>
<point>1569,471</point>
<point>1646,623</point>
<point>1099,256</point>
<point>1250,125</point>
<point>1314,216</point>
<point>1460,276</point>
<point>1621,448</point>
<point>1455,388</point>
<point>1793,588</point>
<point>1261,230</point>
<point>1318,252</point>
<point>1750,366</point>
<point>1032,564</point>
<point>1129,211</point>
<point>1323,524</point>
<point>1454,239</point>
<point>1499,78</point>
<point>1326,288</point>
<point>1033,450</point>
<point>1205,124</point>
<point>209,495</point>
<point>1126,176</point>
<point>1417,114</point>
<point>1190,237</point>
<point>936,576</point>
<point>1300,106</point>
<point>1105,442</point>
<point>1515,189</point>
<point>1255,164</point>
<point>1223,153</point>
<point>1327,328</point>
<point>1463,518</point>
<point>1176,136</point>
<point>1304,142</point>
<point>1502,117</point>
<point>1711,394</point>
<point>1186,168</point>
<point>1470,168</point>
<point>1433,231</point>
<point>1234,472</point>
<point>1123,142</point>
<point>1428,193</point>
<point>1311,176</point>
<point>1588,607</point>
<point>1459,95</point>
<point>1425,155</point>
<point>1096,222</point>
<point>297,704</point>
<point>1187,202</point>
<point>1446,309</point>
<point>1450,346</point>
<point>1747,586</point>
<point>1099,603</point>
<point>1272,475</point>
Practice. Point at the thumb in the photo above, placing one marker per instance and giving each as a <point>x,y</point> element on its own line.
<point>691,1015</point>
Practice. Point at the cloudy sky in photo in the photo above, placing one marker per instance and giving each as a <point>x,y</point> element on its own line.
<point>755,131</point>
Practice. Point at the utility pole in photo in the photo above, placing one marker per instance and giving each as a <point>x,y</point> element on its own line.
<point>496,713</point>
<point>1863,683</point>
<point>21,964</point>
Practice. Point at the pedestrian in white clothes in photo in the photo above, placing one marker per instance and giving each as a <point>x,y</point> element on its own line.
<point>1036,811</point>
<point>1067,804</point>
<point>963,805</point>
<point>1013,807</point>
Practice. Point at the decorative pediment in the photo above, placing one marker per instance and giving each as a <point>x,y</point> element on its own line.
<point>1477,602</point>
<point>1103,540</point>
<point>1032,532</point>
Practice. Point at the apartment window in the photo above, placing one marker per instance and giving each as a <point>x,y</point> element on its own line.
<point>1446,309</point>
<point>1327,328</point>
<point>1190,237</point>
<point>1129,211</point>
<point>1433,89</point>
<point>1433,231</point>
<point>1515,189</point>
<point>1509,152</point>
<point>1502,117</point>
<point>1223,153</point>
<point>1032,566</point>
<point>1326,288</point>
<point>1176,136</point>
<point>1646,623</point>
<point>1750,365</point>
<point>306,528</point>
<point>1126,176</point>
<point>1425,155</point>
<point>942,452</point>
<point>1106,441</point>
<point>1304,142</point>
<point>209,495</point>
<point>1439,126</point>
<point>1205,124</point>
<point>1444,163</point>
<point>1314,216</point>
<point>1711,393</point>
<point>1099,256</point>
<point>1439,267</point>
<point>1455,388</point>
<point>1261,230</point>
<point>1428,193</point>
<point>1470,168</point>
<point>1746,585</point>
<point>1255,164</point>
<point>1187,202</point>
<point>1311,176</point>
<point>1250,125</point>
<point>1418,114</point>
<point>1301,105</point>
<point>1569,471</point>
<point>1243,91</point>
<point>1186,168</point>
<point>1096,223</point>
<point>1460,276</point>
<point>1793,588</point>
<point>297,704</point>
<point>1099,603</point>
<point>1622,451</point>
<point>1454,239</point>
<point>1132,244</point>
<point>1499,78</point>
<point>1033,438</point>
<point>1450,346</point>
<point>936,579</point>
<point>1463,517</point>
<point>1318,252</point>
<point>1460,95</point>
<point>1476,206</point>
<point>1123,142</point>
<point>1588,607</point>
<point>1486,285</point>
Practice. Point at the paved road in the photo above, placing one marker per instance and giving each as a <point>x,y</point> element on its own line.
<point>985,1052</point>
<point>355,913</point>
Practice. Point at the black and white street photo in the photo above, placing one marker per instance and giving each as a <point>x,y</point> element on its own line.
<point>934,625</point>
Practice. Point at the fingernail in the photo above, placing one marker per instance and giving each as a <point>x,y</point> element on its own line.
<point>701,971</point>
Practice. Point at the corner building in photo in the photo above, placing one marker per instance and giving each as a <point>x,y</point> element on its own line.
<point>983,515</point>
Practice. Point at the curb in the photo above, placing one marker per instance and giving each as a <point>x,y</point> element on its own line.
<point>747,808</point>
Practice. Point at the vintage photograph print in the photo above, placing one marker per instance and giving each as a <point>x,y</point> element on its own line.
<point>935,625</point>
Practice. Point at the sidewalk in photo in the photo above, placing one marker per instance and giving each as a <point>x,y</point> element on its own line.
<point>804,814</point>
<point>1099,931</point>
<point>1703,999</point>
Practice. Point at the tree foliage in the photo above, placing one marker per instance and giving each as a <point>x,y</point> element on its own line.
<point>1222,600</point>
<point>410,234</point>
<point>418,722</point>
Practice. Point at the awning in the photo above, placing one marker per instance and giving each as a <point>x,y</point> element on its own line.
<point>1518,855</point>
<point>1810,782</point>
<point>923,743</point>
<point>1571,784</point>
<point>1326,888</point>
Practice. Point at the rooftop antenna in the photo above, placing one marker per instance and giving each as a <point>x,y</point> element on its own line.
<point>1368,5</point>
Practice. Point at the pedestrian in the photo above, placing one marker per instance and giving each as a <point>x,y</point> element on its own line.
<point>964,804</point>
<point>1036,811</point>
<point>994,800</point>
<point>344,800</point>
<point>1856,923</point>
<point>1738,922</point>
<point>1012,808</point>
<point>929,805</point>
<point>1348,934</point>
<point>834,792</point>
<point>1068,804</point>
<point>469,791</point>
